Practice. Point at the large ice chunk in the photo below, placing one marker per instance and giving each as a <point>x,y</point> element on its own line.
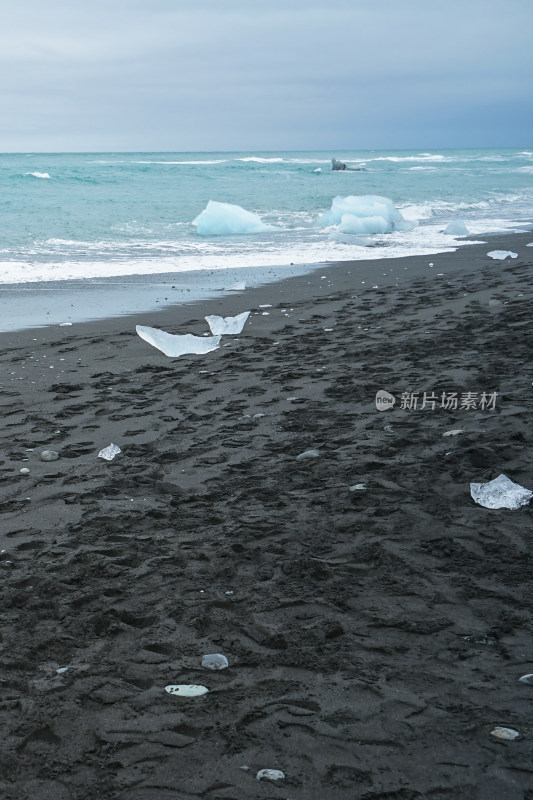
<point>502,254</point>
<point>456,228</point>
<point>222,219</point>
<point>175,345</point>
<point>223,325</point>
<point>502,492</point>
<point>360,214</point>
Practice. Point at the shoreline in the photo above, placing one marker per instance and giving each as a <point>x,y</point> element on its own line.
<point>132,294</point>
<point>375,635</point>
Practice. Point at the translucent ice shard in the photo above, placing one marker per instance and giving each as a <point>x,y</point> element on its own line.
<point>109,452</point>
<point>502,492</point>
<point>224,325</point>
<point>270,775</point>
<point>215,661</point>
<point>175,345</point>
<point>502,254</point>
<point>240,286</point>
<point>223,219</point>
<point>456,228</point>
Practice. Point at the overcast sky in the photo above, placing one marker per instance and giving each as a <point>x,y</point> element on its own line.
<point>166,75</point>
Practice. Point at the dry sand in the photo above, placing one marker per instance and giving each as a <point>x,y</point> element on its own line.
<point>375,637</point>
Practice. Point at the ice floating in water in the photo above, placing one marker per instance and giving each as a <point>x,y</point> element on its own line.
<point>225,325</point>
<point>223,219</point>
<point>505,733</point>
<point>456,228</point>
<point>38,174</point>
<point>215,661</point>
<point>502,254</point>
<point>186,690</point>
<point>360,214</point>
<point>110,452</point>
<point>270,775</point>
<point>240,286</point>
<point>175,345</point>
<point>502,492</point>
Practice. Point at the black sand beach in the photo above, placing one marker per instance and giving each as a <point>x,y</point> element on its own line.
<point>375,636</point>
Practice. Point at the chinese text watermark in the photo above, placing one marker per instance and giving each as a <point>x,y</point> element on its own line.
<point>449,401</point>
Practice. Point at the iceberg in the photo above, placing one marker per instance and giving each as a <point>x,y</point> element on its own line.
<point>224,325</point>
<point>365,214</point>
<point>176,345</point>
<point>223,219</point>
<point>502,492</point>
<point>502,254</point>
<point>456,228</point>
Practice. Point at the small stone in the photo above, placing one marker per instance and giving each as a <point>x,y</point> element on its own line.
<point>215,661</point>
<point>508,734</point>
<point>49,455</point>
<point>270,775</point>
<point>24,471</point>
<point>526,678</point>
<point>308,454</point>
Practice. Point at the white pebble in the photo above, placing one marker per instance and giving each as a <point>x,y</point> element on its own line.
<point>24,471</point>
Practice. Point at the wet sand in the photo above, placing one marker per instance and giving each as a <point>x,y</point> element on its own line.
<point>375,635</point>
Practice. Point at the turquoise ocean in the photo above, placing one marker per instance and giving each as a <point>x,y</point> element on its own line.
<point>87,216</point>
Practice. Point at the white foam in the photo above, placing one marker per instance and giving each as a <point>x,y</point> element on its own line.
<point>223,219</point>
<point>227,325</point>
<point>38,174</point>
<point>176,345</point>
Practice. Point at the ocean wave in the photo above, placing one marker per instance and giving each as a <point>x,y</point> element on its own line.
<point>184,163</point>
<point>528,170</point>
<point>37,174</point>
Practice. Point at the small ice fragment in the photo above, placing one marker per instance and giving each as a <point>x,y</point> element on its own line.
<point>265,305</point>
<point>258,416</point>
<point>502,492</point>
<point>527,678</point>
<point>24,471</point>
<point>270,775</point>
<point>61,670</point>
<point>215,661</point>
<point>265,313</point>
<point>328,330</point>
<point>308,454</point>
<point>186,690</point>
<point>245,768</point>
<point>357,487</point>
<point>505,733</point>
<point>530,244</point>
<point>109,452</point>
<point>176,345</point>
<point>49,455</point>
<point>65,324</point>
<point>226,325</point>
<point>236,287</point>
<point>453,433</point>
<point>502,254</point>
<point>318,169</point>
<point>456,228</point>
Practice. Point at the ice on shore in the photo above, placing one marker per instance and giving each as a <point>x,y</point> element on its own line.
<point>215,661</point>
<point>109,452</point>
<point>223,219</point>
<point>186,689</point>
<point>365,214</point>
<point>456,228</point>
<point>502,254</point>
<point>502,492</point>
<point>225,325</point>
<point>176,345</point>
<point>240,286</point>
